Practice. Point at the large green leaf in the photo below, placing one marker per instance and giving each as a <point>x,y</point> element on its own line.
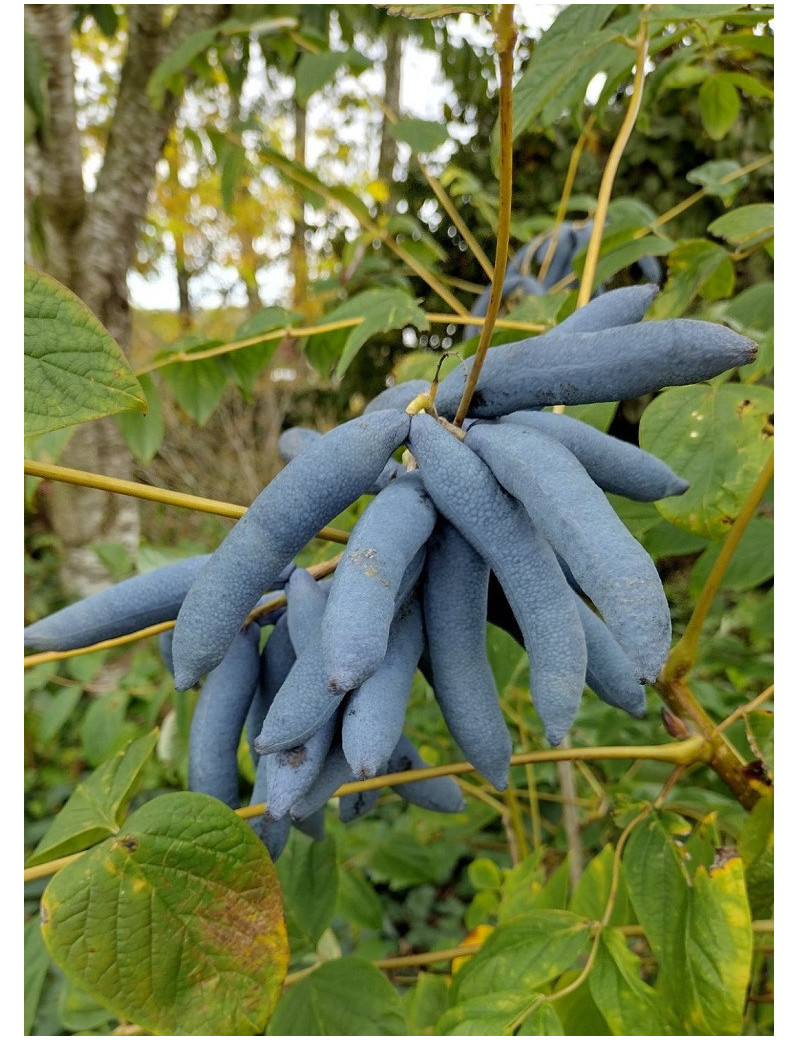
<point>716,437</point>
<point>346,997</point>
<point>757,848</point>
<point>746,225</point>
<point>422,135</point>
<point>542,1021</point>
<point>74,370</point>
<point>629,1005</point>
<point>198,944</point>
<point>695,266</point>
<point>710,176</point>
<point>197,386</point>
<point>425,1002</point>
<point>247,363</point>
<point>37,961</point>
<point>168,72</point>
<point>719,105</point>
<point>592,891</point>
<point>309,882</point>
<point>97,806</point>
<point>144,433</point>
<point>752,564</point>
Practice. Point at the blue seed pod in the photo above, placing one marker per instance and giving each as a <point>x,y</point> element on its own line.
<point>219,717</point>
<point>588,367</point>
<point>389,534</point>
<point>304,497</point>
<point>614,465</point>
<point>274,833</point>
<point>576,518</point>
<point>351,806</point>
<point>611,310</point>
<point>297,439</point>
<point>305,599</point>
<point>291,773</point>
<point>140,601</point>
<point>277,659</point>
<point>455,597</point>
<point>561,264</point>
<point>513,282</point>
<point>312,826</point>
<point>165,649</point>
<point>439,793</point>
<point>330,778</point>
<point>373,717</point>
<point>398,396</point>
<point>609,671</point>
<point>467,494</point>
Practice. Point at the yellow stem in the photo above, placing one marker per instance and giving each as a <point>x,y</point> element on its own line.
<point>506,35</point>
<point>566,193</point>
<point>745,709</point>
<point>610,171</point>
<point>501,323</point>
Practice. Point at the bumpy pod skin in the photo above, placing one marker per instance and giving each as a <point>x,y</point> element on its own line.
<point>609,671</point>
<point>291,773</point>
<point>454,598</point>
<point>611,310</point>
<point>277,659</point>
<point>361,605</point>
<point>575,516</point>
<point>297,439</point>
<point>351,806</point>
<point>614,465</point>
<point>274,833</point>
<point>439,793</point>
<point>304,497</point>
<point>399,396</point>
<point>145,599</point>
<point>567,246</point>
<point>165,649</point>
<point>588,367</point>
<point>305,606</point>
<point>373,717</point>
<point>219,717</point>
<point>330,778</point>
<point>496,525</point>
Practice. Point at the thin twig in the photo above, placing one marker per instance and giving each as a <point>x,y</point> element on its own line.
<point>566,193</point>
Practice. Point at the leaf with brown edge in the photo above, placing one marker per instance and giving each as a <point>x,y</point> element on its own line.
<point>176,923</point>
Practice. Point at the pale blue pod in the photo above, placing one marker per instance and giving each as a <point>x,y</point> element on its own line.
<point>610,310</point>
<point>305,605</point>
<point>578,521</point>
<point>398,396</point>
<point>609,671</point>
<point>297,439</point>
<point>305,496</point>
<point>274,833</point>
<point>330,778</point>
<point>165,649</point>
<point>614,465</point>
<point>512,282</point>
<point>372,721</point>
<point>439,793</point>
<point>291,773</point>
<point>586,367</point>
<point>277,659</point>
<point>566,248</point>
<point>496,525</point>
<point>351,806</point>
<point>385,541</point>
<point>219,717</point>
<point>455,600</point>
<point>137,602</point>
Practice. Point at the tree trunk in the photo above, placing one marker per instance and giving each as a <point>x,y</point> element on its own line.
<point>392,69</point>
<point>298,245</point>
<point>91,242</point>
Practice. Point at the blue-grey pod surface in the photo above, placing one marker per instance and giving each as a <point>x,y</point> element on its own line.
<point>625,306</point>
<point>137,602</point>
<point>513,281</point>
<point>297,439</point>
<point>305,496</point>
<point>361,605</point>
<point>165,649</point>
<point>438,793</point>
<point>588,367</point>
<point>455,600</point>
<point>614,465</point>
<point>373,716</point>
<point>219,717</point>
<point>496,525</point>
<point>351,806</point>
<point>566,247</point>
<point>305,606</point>
<point>398,396</point>
<point>312,826</point>
<point>330,778</point>
<point>291,773</point>
<point>274,833</point>
<point>609,671</point>
<point>578,521</point>
<point>277,659</point>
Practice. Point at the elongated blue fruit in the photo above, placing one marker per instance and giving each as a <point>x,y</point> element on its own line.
<point>587,367</point>
<point>297,439</point>
<point>614,465</point>
<point>625,306</point>
<point>455,595</point>
<point>165,649</point>
<point>609,671</point>
<point>514,281</point>
<point>219,717</point>
<point>333,774</point>
<point>398,396</point>
<point>304,497</point>
<point>567,246</point>
<point>578,521</point>
<point>351,806</point>
<point>137,602</point>
<point>313,826</point>
<point>302,704</point>
<point>274,833</point>
<point>439,793</point>
<point>277,659</point>
<point>291,773</point>
<point>361,605</point>
<point>373,717</point>
<point>305,606</point>
<point>496,525</point>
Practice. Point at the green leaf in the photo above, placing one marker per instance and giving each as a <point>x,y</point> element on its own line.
<point>144,433</point>
<point>248,363</point>
<point>760,727</point>
<point>313,71</point>
<point>484,873</point>
<point>710,178</point>
<point>424,1003</point>
<point>167,74</point>
<point>309,882</point>
<point>37,961</point>
<point>435,10</point>
<point>716,437</point>
<point>346,997</point>
<point>97,806</point>
<point>693,265</point>
<point>34,82</point>
<point>591,893</point>
<point>61,706</point>
<point>80,1013</point>
<point>629,1005</point>
<point>749,84</point>
<point>357,900</point>
<point>104,729</point>
<point>752,564</point>
<point>746,225</point>
<point>542,1021</point>
<point>197,386</point>
<point>199,946</point>
<point>598,415</point>
<point>422,135</point>
<point>402,861</point>
<point>497,983</point>
<point>621,250</point>
<point>719,106</point>
<point>74,370</point>
<point>757,848</point>
<point>232,166</point>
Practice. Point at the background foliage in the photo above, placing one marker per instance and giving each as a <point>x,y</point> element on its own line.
<point>604,897</point>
